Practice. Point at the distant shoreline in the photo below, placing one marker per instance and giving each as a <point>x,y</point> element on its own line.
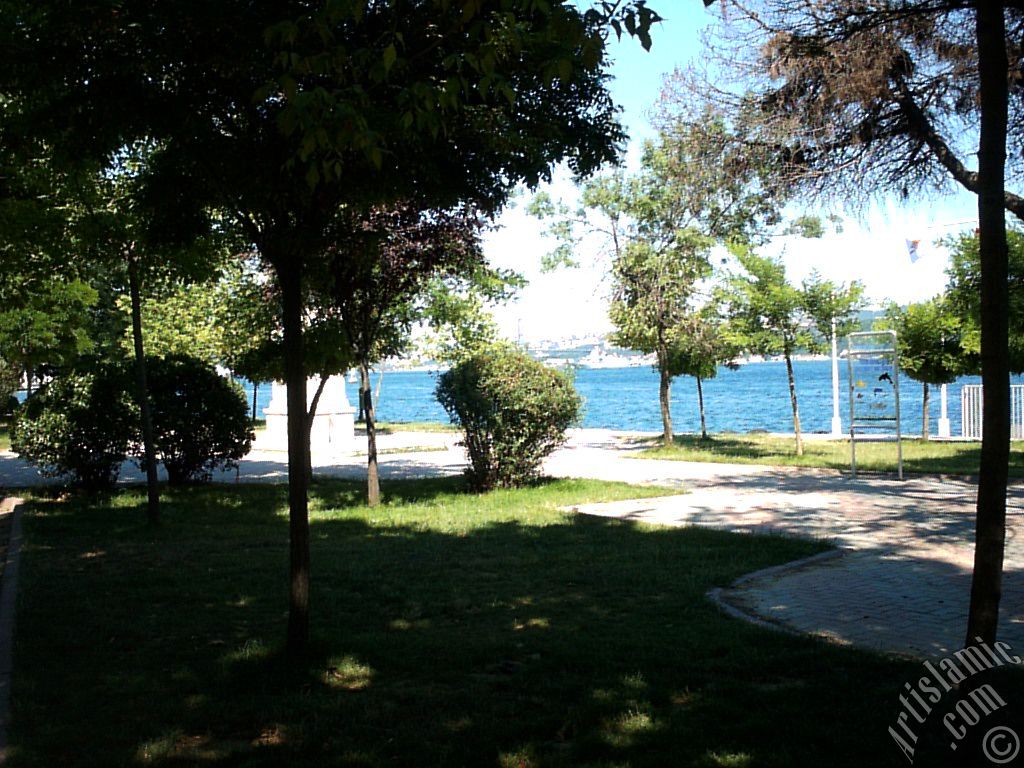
<point>614,364</point>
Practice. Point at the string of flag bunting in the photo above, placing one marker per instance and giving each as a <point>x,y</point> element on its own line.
<point>913,245</point>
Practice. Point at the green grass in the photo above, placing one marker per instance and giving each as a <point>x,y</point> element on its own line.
<point>931,456</point>
<point>5,436</point>
<point>450,629</point>
<point>411,426</point>
<point>412,449</point>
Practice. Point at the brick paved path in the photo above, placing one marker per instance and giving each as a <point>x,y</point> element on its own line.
<point>902,580</point>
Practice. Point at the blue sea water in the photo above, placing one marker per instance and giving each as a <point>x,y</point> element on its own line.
<point>755,397</point>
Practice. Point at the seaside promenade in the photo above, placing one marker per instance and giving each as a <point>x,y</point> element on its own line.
<point>897,581</point>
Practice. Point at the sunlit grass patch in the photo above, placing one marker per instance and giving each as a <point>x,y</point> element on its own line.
<point>923,456</point>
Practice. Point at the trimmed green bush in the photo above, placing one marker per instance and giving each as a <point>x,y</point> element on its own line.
<point>80,426</point>
<point>513,410</point>
<point>200,418</point>
<point>10,378</point>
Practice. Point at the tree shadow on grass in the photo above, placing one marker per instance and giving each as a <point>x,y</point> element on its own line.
<point>438,641</point>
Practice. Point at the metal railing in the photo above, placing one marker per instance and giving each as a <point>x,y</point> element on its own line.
<point>970,411</point>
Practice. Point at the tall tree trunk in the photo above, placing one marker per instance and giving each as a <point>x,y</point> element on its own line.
<point>990,526</point>
<point>289,274</point>
<point>924,411</point>
<point>255,391</point>
<point>309,426</point>
<point>792,402</point>
<point>700,403</point>
<point>372,472</point>
<point>664,398</point>
<point>142,395</point>
<point>361,416</point>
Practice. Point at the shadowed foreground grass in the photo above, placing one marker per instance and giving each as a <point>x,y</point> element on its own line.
<point>924,456</point>
<point>450,629</point>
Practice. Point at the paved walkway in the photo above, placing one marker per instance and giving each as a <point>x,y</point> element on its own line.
<point>900,583</point>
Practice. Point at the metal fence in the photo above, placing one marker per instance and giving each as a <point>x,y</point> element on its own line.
<point>970,409</point>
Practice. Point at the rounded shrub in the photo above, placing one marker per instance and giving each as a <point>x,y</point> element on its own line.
<point>513,410</point>
<point>200,418</point>
<point>80,426</point>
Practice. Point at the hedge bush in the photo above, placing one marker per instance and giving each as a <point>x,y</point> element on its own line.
<point>80,426</point>
<point>85,423</point>
<point>200,418</point>
<point>513,410</point>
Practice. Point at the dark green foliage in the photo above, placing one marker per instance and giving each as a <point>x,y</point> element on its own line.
<point>200,418</point>
<point>80,425</point>
<point>513,410</point>
<point>10,375</point>
<point>85,423</point>
<point>43,317</point>
<point>964,292</point>
<point>929,337</point>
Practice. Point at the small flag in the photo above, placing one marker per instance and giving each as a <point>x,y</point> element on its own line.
<point>912,250</point>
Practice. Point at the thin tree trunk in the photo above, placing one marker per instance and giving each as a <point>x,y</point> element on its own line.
<point>142,395</point>
<point>664,398</point>
<point>990,530</point>
<point>309,427</point>
<point>255,390</point>
<point>372,472</point>
<point>792,401</point>
<point>361,416</point>
<point>289,273</point>
<point>700,403</point>
<point>924,411</point>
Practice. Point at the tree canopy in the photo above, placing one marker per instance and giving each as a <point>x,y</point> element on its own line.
<point>929,337</point>
<point>280,114</point>
<point>659,226</point>
<point>964,292</point>
<point>849,100</point>
<point>771,316</point>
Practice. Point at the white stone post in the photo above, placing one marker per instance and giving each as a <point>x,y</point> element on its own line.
<point>333,430</point>
<point>944,430</point>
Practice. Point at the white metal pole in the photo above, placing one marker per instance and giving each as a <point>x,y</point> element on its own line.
<point>853,432</point>
<point>944,430</point>
<point>837,424</point>
<point>896,386</point>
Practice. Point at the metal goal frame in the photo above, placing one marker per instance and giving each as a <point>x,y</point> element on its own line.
<point>873,344</point>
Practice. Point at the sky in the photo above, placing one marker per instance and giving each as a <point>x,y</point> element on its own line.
<point>872,246</point>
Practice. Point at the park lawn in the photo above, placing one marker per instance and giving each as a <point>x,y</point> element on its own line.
<point>412,449</point>
<point>5,436</point>
<point>923,456</point>
<point>384,427</point>
<point>450,629</point>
